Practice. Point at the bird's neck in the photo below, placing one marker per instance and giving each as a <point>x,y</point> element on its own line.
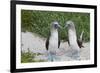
<point>72,36</point>
<point>54,32</point>
<point>72,31</point>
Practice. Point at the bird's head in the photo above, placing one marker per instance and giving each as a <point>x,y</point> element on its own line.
<point>69,24</point>
<point>55,25</point>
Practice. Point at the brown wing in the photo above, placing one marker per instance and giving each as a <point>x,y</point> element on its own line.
<point>58,40</point>
<point>47,41</point>
<point>58,43</point>
<point>68,42</point>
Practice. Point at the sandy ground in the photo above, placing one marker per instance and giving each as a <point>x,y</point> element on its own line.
<point>36,44</point>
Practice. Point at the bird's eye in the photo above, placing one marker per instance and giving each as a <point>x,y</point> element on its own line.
<point>68,25</point>
<point>56,26</point>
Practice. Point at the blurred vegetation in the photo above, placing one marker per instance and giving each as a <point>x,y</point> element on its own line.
<point>28,57</point>
<point>39,22</point>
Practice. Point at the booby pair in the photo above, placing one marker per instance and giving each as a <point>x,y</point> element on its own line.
<point>53,41</point>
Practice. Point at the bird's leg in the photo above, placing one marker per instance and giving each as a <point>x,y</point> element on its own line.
<point>50,57</point>
<point>76,55</point>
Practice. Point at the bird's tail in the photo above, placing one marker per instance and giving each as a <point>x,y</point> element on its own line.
<point>81,36</point>
<point>80,40</point>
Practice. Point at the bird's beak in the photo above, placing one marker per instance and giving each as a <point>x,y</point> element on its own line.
<point>59,27</point>
<point>66,26</point>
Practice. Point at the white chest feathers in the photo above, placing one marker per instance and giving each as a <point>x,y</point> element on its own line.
<point>53,41</point>
<point>73,40</point>
<point>72,36</point>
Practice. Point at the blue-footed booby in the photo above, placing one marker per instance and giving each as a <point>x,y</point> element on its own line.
<point>53,41</point>
<point>73,40</point>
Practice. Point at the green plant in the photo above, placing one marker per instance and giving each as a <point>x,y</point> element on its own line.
<point>39,22</point>
<point>27,57</point>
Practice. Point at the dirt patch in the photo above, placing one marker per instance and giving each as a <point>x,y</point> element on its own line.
<point>36,44</point>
